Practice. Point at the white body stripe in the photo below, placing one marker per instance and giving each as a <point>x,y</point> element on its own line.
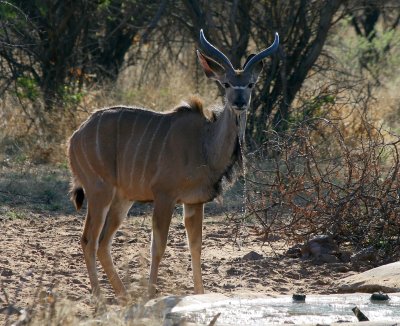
<point>83,148</point>
<point>97,144</point>
<point>137,151</point>
<point>78,163</point>
<point>124,161</point>
<point>163,147</point>
<point>117,142</point>
<point>149,150</point>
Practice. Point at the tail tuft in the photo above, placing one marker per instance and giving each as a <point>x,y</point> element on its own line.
<point>77,197</point>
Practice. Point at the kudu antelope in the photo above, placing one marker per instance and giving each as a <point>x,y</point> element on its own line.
<point>122,154</point>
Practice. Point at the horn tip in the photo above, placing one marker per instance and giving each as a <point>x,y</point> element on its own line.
<point>202,37</point>
<point>276,36</point>
<point>199,54</point>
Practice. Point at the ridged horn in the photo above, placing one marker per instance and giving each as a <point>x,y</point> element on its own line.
<point>264,53</point>
<point>214,53</point>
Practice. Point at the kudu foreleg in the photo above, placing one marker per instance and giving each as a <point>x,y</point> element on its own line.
<point>162,214</point>
<point>193,219</point>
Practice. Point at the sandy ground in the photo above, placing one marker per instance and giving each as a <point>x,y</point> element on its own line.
<point>40,257</point>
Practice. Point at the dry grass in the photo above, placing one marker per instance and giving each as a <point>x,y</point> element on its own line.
<point>29,133</point>
<point>48,308</point>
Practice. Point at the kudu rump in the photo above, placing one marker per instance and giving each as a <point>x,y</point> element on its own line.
<point>122,154</point>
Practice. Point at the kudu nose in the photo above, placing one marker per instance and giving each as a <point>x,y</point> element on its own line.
<point>239,104</point>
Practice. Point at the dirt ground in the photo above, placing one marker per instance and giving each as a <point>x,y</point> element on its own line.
<point>40,257</point>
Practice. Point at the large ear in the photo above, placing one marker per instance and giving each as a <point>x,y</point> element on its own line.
<point>257,67</point>
<point>211,68</point>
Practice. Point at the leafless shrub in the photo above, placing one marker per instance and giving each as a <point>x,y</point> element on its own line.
<point>313,180</point>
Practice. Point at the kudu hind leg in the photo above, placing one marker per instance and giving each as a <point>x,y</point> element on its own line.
<point>96,215</point>
<point>193,219</point>
<point>118,211</point>
<point>162,214</point>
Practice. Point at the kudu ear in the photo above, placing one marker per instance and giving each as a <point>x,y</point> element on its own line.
<point>257,67</point>
<point>211,68</point>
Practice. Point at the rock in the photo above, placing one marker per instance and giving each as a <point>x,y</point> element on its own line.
<point>252,255</point>
<point>385,278</point>
<point>6,272</point>
<point>326,259</point>
<point>10,310</point>
<point>76,281</point>
<point>294,252</point>
<point>228,286</point>
<point>366,254</point>
<point>344,256</point>
<point>233,271</point>
<point>323,249</point>
<point>340,268</point>
<point>299,297</point>
<point>119,234</point>
<point>272,237</point>
<point>379,296</point>
<point>319,245</point>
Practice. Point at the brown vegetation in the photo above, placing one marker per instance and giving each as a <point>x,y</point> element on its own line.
<point>314,181</point>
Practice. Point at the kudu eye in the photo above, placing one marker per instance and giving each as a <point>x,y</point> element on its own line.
<point>251,85</point>
<point>226,85</point>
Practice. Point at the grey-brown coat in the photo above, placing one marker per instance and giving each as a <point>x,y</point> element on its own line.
<point>121,155</point>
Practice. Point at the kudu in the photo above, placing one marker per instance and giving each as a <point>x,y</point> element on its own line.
<point>122,154</point>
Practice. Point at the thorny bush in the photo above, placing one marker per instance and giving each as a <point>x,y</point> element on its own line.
<point>311,180</point>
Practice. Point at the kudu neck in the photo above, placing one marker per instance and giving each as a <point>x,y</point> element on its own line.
<point>222,139</point>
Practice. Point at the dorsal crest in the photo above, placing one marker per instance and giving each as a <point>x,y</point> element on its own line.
<point>194,104</point>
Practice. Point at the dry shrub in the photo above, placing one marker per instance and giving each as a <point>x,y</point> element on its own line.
<point>309,181</point>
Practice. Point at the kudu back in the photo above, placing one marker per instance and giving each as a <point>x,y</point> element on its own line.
<point>122,154</point>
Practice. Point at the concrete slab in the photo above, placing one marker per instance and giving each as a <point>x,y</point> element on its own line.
<point>385,278</point>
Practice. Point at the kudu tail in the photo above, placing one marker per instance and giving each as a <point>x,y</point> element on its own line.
<point>77,196</point>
